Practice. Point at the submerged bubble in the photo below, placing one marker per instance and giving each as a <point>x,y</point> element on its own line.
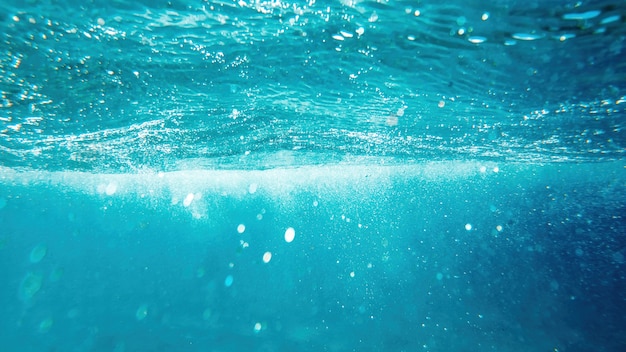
<point>56,274</point>
<point>200,273</point>
<point>565,37</point>
<point>38,253</point>
<point>526,36</point>
<point>252,188</point>
<point>188,200</point>
<point>290,234</point>
<point>618,257</point>
<point>346,34</point>
<point>475,39</point>
<point>582,16</point>
<point>110,189</point>
<point>228,281</point>
<point>206,315</point>
<point>554,285</point>
<point>610,19</point>
<point>141,312</point>
<point>31,284</point>
<point>45,325</point>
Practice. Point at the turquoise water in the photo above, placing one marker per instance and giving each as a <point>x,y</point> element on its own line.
<point>312,176</point>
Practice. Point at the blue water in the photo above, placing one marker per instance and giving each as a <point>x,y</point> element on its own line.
<point>312,176</point>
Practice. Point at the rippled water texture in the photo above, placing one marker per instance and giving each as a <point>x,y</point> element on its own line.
<point>121,86</point>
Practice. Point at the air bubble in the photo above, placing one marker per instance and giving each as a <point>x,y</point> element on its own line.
<point>188,200</point>
<point>228,281</point>
<point>477,39</point>
<point>290,234</point>
<point>38,253</point>
<point>141,312</point>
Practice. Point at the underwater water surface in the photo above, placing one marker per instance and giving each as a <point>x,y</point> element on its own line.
<point>312,176</point>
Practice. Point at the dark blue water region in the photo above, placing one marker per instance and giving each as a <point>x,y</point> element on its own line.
<point>454,256</point>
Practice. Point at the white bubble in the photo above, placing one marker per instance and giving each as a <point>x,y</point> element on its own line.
<point>188,200</point>
<point>228,281</point>
<point>526,36</point>
<point>468,227</point>
<point>267,256</point>
<point>476,39</point>
<point>241,228</point>
<point>290,234</point>
<point>346,34</point>
<point>352,274</point>
<point>257,327</point>
<point>252,188</point>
